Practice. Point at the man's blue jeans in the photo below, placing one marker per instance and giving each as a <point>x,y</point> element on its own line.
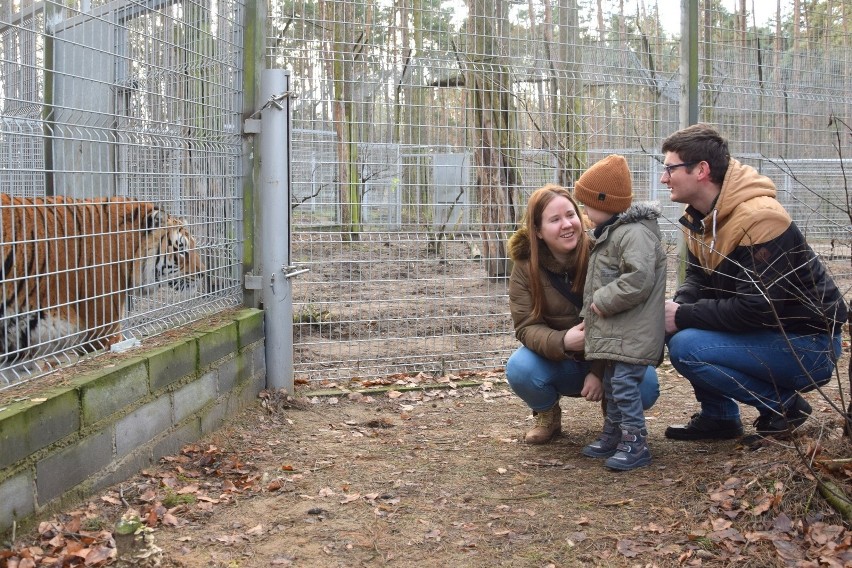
<point>756,368</point>
<point>540,382</point>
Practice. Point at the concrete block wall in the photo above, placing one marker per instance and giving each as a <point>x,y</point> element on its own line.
<point>105,426</point>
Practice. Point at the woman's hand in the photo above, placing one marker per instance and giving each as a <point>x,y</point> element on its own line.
<point>592,388</point>
<point>574,339</point>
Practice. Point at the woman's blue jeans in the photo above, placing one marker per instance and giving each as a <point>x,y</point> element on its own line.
<point>540,382</point>
<point>756,368</point>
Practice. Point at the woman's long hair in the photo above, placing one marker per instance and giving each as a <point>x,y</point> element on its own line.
<point>538,201</point>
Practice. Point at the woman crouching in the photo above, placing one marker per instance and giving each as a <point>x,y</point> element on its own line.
<point>550,252</point>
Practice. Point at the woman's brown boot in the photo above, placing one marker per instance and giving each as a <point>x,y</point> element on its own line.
<point>548,424</point>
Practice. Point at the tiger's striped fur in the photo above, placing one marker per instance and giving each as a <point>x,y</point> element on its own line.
<point>68,265</point>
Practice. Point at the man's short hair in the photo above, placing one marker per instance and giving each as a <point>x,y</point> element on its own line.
<point>701,142</point>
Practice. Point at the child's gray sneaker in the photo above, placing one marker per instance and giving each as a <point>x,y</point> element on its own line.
<point>632,452</point>
<point>607,442</point>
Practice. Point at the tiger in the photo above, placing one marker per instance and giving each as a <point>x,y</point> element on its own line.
<point>69,264</point>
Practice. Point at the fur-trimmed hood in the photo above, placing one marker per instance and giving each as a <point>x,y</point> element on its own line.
<point>645,212</point>
<point>640,211</point>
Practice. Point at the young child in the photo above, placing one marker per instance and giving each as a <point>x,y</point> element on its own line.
<point>623,305</point>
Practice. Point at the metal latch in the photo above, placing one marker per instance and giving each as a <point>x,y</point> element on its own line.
<point>252,125</point>
<point>293,270</point>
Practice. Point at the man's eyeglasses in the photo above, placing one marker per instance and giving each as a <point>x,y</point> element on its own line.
<point>676,166</point>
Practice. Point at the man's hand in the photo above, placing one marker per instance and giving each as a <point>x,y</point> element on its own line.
<point>597,311</point>
<point>671,310</point>
<point>592,388</point>
<point>575,337</point>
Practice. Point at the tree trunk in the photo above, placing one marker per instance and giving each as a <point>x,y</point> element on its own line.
<point>570,145</point>
<point>340,52</point>
<point>495,143</point>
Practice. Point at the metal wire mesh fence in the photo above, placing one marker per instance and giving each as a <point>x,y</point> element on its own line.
<point>137,102</point>
<point>422,126</point>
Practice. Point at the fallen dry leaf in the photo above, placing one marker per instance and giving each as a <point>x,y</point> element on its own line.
<point>350,498</point>
<point>629,548</point>
<point>762,506</point>
<point>720,524</point>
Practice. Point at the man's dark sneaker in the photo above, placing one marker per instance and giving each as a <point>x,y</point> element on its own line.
<point>703,428</point>
<point>781,425</point>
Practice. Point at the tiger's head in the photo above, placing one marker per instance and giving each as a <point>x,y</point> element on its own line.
<point>179,263</point>
<point>168,256</point>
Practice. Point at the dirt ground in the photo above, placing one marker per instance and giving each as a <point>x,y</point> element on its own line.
<point>431,472</point>
<point>424,470</point>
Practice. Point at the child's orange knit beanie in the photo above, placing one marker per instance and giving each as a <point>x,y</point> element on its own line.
<point>606,185</point>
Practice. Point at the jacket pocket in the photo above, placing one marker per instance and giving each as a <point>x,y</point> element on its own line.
<point>608,345</point>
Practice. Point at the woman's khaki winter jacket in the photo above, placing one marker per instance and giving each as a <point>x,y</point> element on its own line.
<point>545,334</point>
<point>626,280</point>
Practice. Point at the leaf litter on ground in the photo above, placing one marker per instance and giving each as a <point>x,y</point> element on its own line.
<point>442,472</point>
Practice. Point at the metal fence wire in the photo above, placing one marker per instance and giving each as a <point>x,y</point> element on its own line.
<point>120,171</point>
<point>421,127</point>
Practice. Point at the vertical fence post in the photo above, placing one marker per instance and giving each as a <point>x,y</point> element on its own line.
<point>688,62</point>
<point>274,197</point>
<point>253,62</point>
<point>688,112</point>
